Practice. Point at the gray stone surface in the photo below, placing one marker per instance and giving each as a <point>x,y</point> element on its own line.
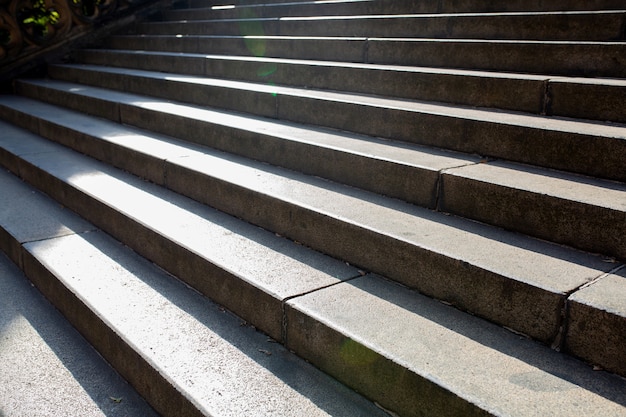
<point>196,243</point>
<point>506,91</point>
<point>402,171</point>
<point>341,49</point>
<point>185,354</point>
<point>351,7</point>
<point>413,355</point>
<point>396,347</point>
<point>46,367</point>
<point>522,92</point>
<point>492,273</point>
<point>565,25</point>
<point>597,322</point>
<point>27,215</point>
<point>586,213</point>
<point>596,59</point>
<point>593,148</point>
<point>602,98</point>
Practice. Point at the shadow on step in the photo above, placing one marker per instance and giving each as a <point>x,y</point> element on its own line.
<point>322,390</point>
<point>551,371</point>
<point>43,350</point>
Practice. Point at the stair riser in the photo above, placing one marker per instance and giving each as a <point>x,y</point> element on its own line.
<point>574,27</point>
<point>602,102</point>
<point>482,91</point>
<point>349,360</point>
<point>410,183</point>
<point>589,155</point>
<point>590,327</point>
<point>344,50</point>
<point>573,223</point>
<point>164,397</point>
<point>396,7</point>
<point>200,11</point>
<point>218,284</point>
<point>433,274</point>
<point>592,60</point>
<point>8,244</point>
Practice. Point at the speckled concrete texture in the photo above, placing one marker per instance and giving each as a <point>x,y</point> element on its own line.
<point>597,322</point>
<point>396,347</point>
<point>190,356</point>
<point>46,368</point>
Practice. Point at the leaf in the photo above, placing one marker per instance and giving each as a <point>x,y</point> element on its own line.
<point>116,399</point>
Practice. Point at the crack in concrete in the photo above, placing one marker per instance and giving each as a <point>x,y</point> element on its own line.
<point>546,99</point>
<point>442,172</point>
<point>559,340</point>
<point>284,324</point>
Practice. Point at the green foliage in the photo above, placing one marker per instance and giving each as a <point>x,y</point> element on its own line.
<point>39,18</point>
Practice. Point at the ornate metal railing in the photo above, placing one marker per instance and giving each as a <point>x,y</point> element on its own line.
<point>29,26</point>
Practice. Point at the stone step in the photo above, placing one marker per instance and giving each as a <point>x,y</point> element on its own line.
<point>553,96</point>
<point>561,26</point>
<point>505,277</point>
<point>46,367</point>
<point>594,149</point>
<point>200,9</point>
<point>189,357</point>
<point>186,355</point>
<point>591,213</point>
<point>588,59</point>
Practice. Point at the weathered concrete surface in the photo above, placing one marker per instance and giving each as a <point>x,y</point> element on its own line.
<point>186,355</point>
<point>270,75</point>
<point>27,215</point>
<point>603,98</point>
<point>196,243</point>
<point>565,26</point>
<point>582,212</point>
<point>410,172</point>
<point>199,9</point>
<point>418,357</point>
<point>490,272</point>
<point>597,322</point>
<point>592,149</point>
<point>46,368</point>
<point>589,59</point>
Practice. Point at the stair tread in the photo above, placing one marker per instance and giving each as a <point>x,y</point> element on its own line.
<point>586,190</point>
<point>46,367</point>
<point>597,147</point>
<point>367,147</point>
<point>545,184</point>
<point>591,191</point>
<point>573,126</point>
<point>566,25</point>
<point>191,224</point>
<point>339,64</point>
<point>617,44</point>
<point>288,207</point>
<point>148,309</point>
<point>220,366</point>
<point>588,58</point>
<point>424,6</point>
<point>537,94</point>
<point>533,264</point>
<point>494,369</point>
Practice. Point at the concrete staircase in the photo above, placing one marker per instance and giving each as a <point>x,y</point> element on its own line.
<point>349,207</point>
